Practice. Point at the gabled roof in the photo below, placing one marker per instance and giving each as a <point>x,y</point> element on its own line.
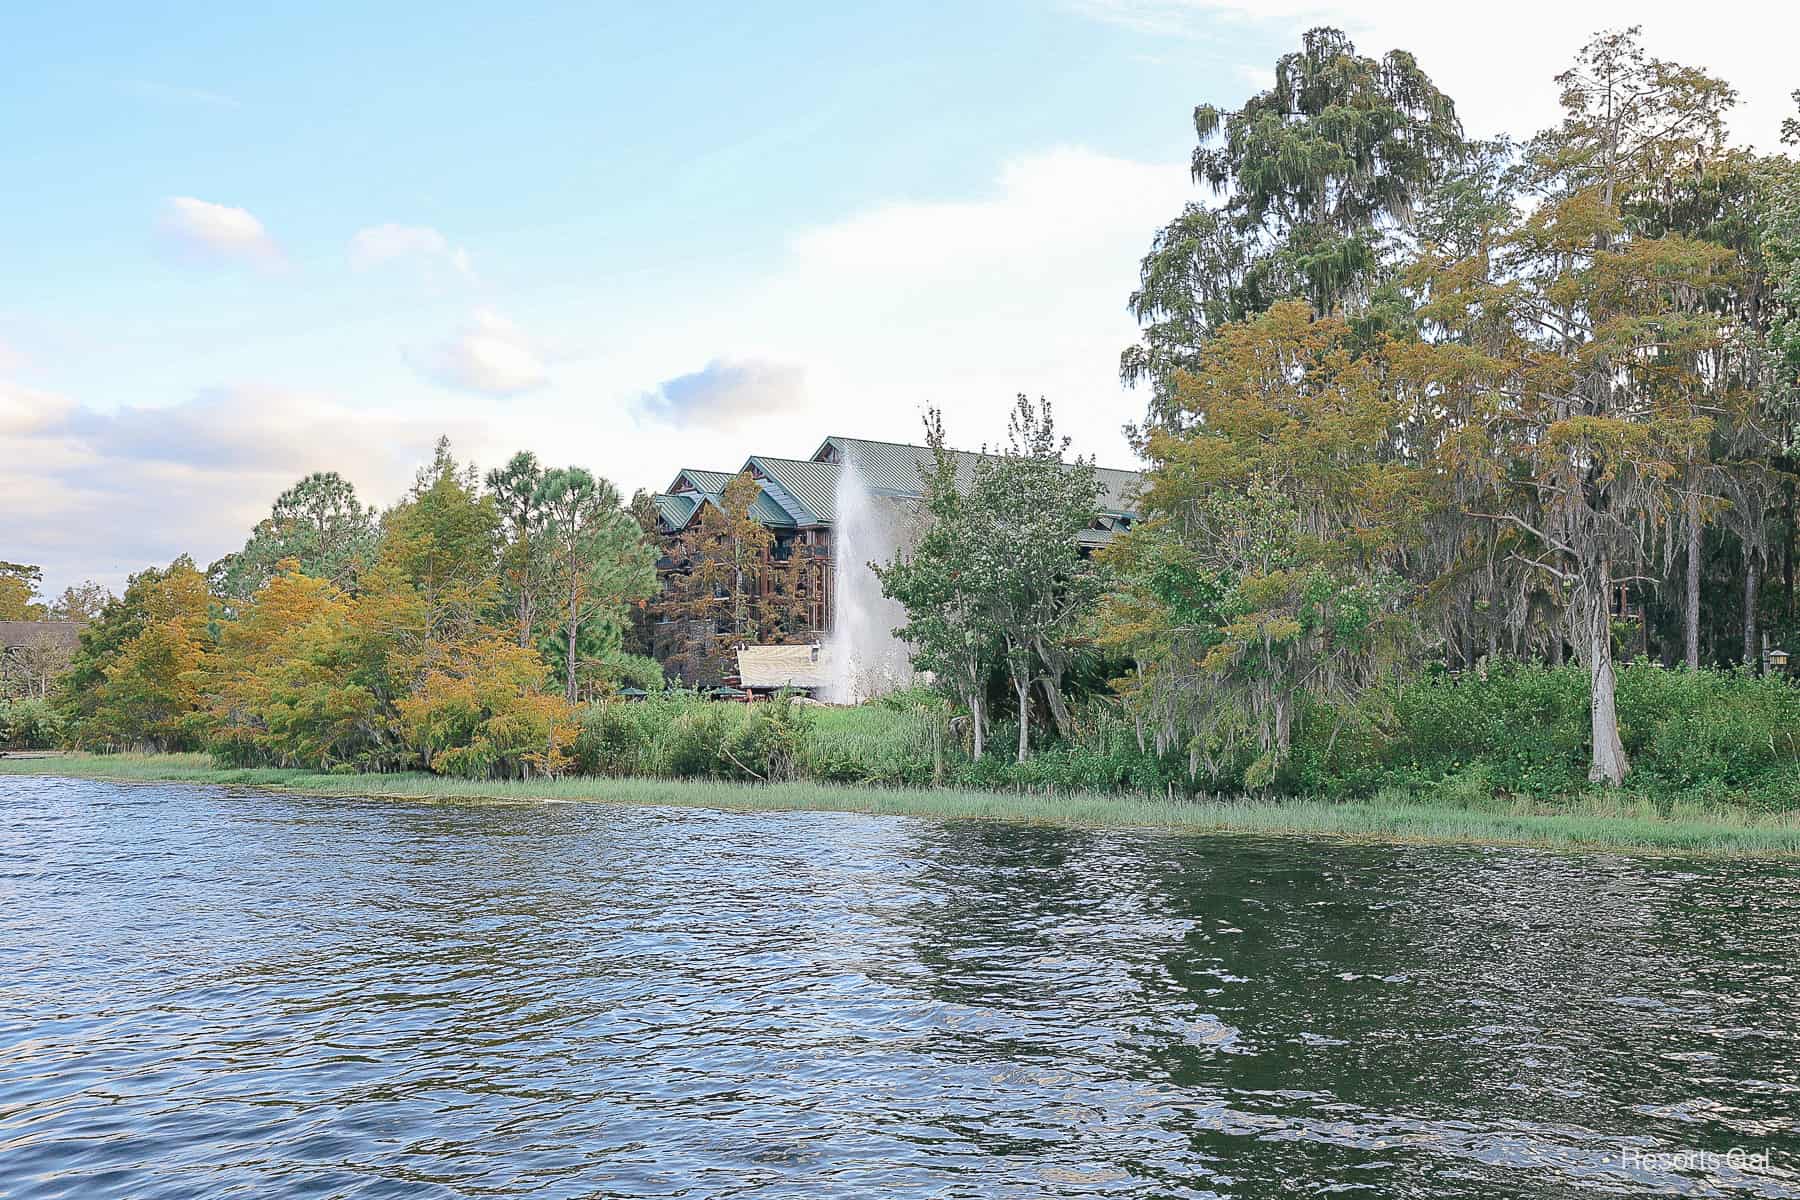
<point>768,510</point>
<point>800,492</point>
<point>673,511</point>
<point>694,479</point>
<point>802,487</point>
<point>901,469</point>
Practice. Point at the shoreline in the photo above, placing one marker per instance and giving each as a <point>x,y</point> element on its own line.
<point>1583,823</point>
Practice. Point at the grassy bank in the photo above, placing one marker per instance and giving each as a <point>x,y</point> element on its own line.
<point>1583,822</point>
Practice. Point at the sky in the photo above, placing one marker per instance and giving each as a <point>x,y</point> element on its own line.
<point>238,245</point>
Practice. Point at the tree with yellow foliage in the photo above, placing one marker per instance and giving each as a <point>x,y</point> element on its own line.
<point>261,684</point>
<point>482,710</point>
<point>1280,496</point>
<point>147,693</point>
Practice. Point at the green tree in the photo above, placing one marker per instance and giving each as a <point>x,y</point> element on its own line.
<point>147,691</point>
<point>600,561</point>
<point>120,619</point>
<point>274,689</point>
<point>319,523</point>
<point>81,603</point>
<point>443,540</point>
<point>1029,505</point>
<point>1776,325</point>
<point>1568,350</point>
<point>483,711</point>
<point>1317,171</point>
<point>524,559</point>
<point>941,584</point>
<point>997,579</point>
<point>1280,500</point>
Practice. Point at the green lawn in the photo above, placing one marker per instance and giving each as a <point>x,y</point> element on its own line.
<point>1582,822</point>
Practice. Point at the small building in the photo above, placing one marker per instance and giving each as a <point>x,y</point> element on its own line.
<point>768,670</point>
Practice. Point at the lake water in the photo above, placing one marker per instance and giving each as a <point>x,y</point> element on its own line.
<point>215,993</point>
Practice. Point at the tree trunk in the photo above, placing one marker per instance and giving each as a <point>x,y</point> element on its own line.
<point>938,729</point>
<point>1787,556</point>
<point>1750,584</point>
<point>1690,617</point>
<point>1022,685</point>
<point>574,630</point>
<point>1607,764</point>
<point>1059,708</point>
<point>980,725</point>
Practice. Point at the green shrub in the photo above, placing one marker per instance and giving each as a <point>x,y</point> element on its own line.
<point>1696,727</point>
<point>29,724</point>
<point>617,738</point>
<point>1711,735</point>
<point>896,741</point>
<point>1528,724</point>
<point>684,736</point>
<point>766,742</point>
<point>1516,734</point>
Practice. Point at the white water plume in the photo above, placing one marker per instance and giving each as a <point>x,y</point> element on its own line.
<point>866,659</point>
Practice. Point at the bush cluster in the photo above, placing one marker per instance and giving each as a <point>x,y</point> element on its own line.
<point>911,739</point>
<point>29,724</point>
<point>1706,735</point>
<point>681,736</point>
<point>1514,731</point>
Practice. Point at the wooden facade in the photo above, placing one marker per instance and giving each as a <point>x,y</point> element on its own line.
<point>796,502</point>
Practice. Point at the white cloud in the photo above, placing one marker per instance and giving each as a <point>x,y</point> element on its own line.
<point>1261,78</point>
<point>26,410</point>
<point>218,231</point>
<point>101,494</point>
<point>728,393</point>
<point>422,244</point>
<point>958,302</point>
<point>489,356</point>
<point>1501,75</point>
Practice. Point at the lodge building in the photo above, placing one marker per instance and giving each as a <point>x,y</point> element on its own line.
<point>797,503</point>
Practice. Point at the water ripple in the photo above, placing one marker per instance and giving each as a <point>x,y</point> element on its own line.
<point>211,993</point>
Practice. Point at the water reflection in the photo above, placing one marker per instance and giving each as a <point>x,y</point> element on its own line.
<point>216,994</point>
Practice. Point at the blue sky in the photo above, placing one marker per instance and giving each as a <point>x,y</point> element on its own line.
<point>239,245</point>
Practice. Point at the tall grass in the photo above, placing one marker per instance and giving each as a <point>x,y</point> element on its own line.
<point>1592,821</point>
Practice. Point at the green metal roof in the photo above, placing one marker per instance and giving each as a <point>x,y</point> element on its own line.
<point>798,492</point>
<point>712,482</point>
<point>673,511</point>
<point>901,468</point>
<point>767,510</point>
<point>802,487</point>
<point>677,509</point>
